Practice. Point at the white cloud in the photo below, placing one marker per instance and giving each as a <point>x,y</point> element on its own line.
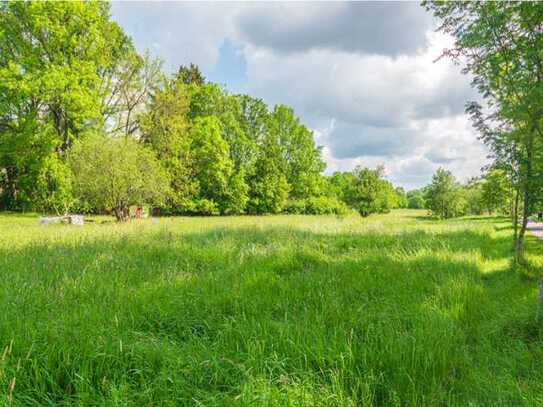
<point>178,32</point>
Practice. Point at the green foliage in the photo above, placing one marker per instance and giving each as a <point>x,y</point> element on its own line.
<point>203,206</point>
<point>190,75</point>
<point>67,71</point>
<point>317,205</point>
<point>53,189</point>
<point>165,128</point>
<point>473,193</point>
<point>252,116</point>
<point>444,196</point>
<point>366,191</point>
<point>500,45</point>
<point>293,161</point>
<point>301,158</point>
<point>113,174</point>
<point>237,194</point>
<point>52,58</point>
<point>340,185</point>
<point>495,191</point>
<point>25,154</point>
<point>401,198</point>
<point>209,99</point>
<point>415,199</point>
<point>370,193</point>
<point>269,185</point>
<point>211,157</point>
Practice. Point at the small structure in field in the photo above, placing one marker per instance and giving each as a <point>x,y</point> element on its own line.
<point>69,219</point>
<point>139,211</point>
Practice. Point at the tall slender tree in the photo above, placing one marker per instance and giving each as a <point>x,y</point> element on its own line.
<point>500,45</point>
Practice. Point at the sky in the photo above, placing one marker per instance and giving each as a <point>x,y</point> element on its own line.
<point>363,76</point>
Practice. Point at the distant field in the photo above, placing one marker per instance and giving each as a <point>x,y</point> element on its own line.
<point>394,309</point>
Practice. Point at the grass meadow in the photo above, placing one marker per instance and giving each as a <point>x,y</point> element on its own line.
<point>391,310</point>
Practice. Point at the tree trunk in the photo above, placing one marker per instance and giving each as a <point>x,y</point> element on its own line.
<point>514,213</point>
<point>121,213</point>
<point>519,244</point>
<point>527,202</point>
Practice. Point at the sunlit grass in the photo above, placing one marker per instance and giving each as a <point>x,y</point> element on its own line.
<point>394,309</point>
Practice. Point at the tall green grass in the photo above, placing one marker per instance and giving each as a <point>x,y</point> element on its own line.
<point>395,309</point>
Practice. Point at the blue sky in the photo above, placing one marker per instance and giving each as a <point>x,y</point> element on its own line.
<point>361,75</point>
<point>231,67</point>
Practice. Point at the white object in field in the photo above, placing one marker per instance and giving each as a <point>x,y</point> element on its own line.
<point>71,219</point>
<point>46,220</point>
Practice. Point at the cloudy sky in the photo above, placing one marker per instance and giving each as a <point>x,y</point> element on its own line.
<point>361,75</point>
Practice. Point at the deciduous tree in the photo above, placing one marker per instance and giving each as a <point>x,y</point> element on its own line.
<point>444,196</point>
<point>113,174</point>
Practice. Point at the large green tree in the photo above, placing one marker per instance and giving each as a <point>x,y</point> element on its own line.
<point>371,193</point>
<point>365,190</point>
<point>52,55</point>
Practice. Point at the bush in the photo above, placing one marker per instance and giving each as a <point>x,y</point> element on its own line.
<point>317,205</point>
<point>295,206</point>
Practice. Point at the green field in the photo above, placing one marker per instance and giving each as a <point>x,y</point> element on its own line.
<point>395,309</point>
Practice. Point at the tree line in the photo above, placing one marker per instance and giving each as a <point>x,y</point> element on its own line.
<point>89,124</point>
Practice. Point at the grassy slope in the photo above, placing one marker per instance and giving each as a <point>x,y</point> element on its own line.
<point>283,310</point>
